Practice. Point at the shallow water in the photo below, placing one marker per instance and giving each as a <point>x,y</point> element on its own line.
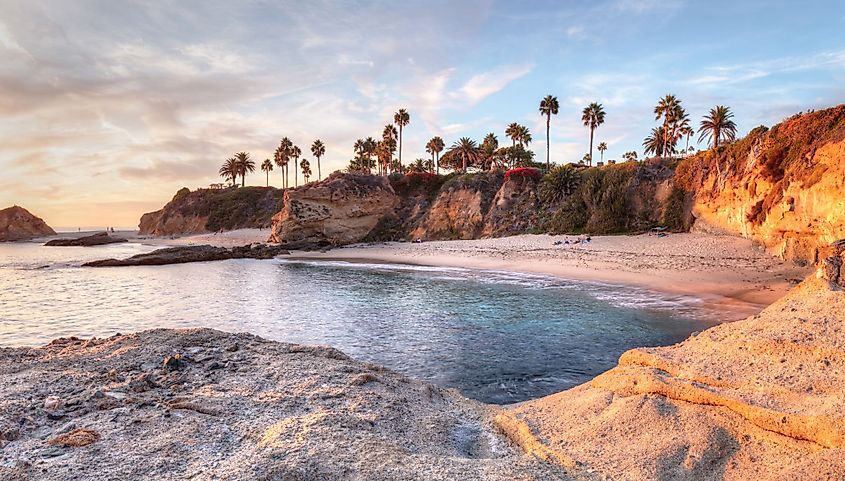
<point>498,337</point>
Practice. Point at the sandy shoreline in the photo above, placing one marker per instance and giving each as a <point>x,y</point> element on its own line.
<point>729,273</point>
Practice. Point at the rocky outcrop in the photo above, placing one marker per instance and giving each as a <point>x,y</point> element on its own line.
<point>211,210</point>
<point>783,187</point>
<point>17,223</point>
<point>343,209</point>
<point>98,239</point>
<point>515,209</point>
<point>203,404</point>
<point>759,398</point>
<point>186,254</point>
<point>460,208</point>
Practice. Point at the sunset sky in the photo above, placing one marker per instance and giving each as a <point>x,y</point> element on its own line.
<point>108,107</point>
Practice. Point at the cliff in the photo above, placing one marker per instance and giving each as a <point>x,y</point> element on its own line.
<point>17,223</point>
<point>206,210</point>
<point>783,187</point>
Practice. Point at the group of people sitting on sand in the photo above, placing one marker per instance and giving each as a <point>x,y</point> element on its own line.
<point>579,240</point>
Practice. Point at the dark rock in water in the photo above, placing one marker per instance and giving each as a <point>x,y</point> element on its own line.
<point>185,254</point>
<point>98,239</point>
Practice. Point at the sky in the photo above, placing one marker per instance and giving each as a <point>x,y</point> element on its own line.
<point>107,107</point>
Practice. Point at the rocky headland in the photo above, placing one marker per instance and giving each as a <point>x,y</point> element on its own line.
<point>17,224</point>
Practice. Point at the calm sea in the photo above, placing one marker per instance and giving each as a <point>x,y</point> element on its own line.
<point>498,337</point>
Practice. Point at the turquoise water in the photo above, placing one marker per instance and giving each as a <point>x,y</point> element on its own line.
<point>497,337</point>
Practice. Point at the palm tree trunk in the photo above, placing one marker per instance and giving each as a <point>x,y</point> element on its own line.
<point>592,130</point>
<point>437,163</point>
<point>602,156</point>
<point>548,122</point>
<point>319,176</point>
<point>400,144</point>
<point>268,178</point>
<point>243,179</point>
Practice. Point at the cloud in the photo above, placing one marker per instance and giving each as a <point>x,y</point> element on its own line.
<point>483,85</point>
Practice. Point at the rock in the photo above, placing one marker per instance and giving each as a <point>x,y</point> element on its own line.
<point>186,254</point>
<point>342,209</point>
<point>76,438</point>
<point>52,403</point>
<point>173,363</point>
<point>17,224</point>
<point>98,239</point>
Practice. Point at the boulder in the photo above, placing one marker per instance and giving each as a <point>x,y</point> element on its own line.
<point>17,223</point>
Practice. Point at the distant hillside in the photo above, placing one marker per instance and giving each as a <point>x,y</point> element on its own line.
<point>17,223</point>
<point>207,210</point>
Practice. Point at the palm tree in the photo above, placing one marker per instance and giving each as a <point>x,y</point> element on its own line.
<point>488,150</point>
<point>370,145</point>
<point>467,150</point>
<point>601,148</point>
<point>388,139</point>
<point>245,166</point>
<point>512,131</point>
<point>318,150</point>
<point>669,109</point>
<point>286,146</point>
<point>230,170</point>
<point>630,156</point>
<point>548,107</point>
<point>267,167</point>
<point>523,136</point>
<point>592,116</point>
<point>717,125</point>
<point>306,169</point>
<point>437,146</point>
<point>401,118</point>
<point>277,158</point>
<point>429,147</point>
<point>295,152</point>
<point>655,142</point>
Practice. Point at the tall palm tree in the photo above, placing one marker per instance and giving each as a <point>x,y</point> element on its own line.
<point>267,167</point>
<point>286,146</point>
<point>437,146</point>
<point>687,132</point>
<point>548,107</point>
<point>655,142</point>
<point>467,150</point>
<point>512,132</point>
<point>717,125</point>
<point>401,118</point>
<point>230,170</point>
<point>523,136</point>
<point>601,148</point>
<point>669,109</point>
<point>295,152</point>
<point>318,150</point>
<point>277,158</point>
<point>592,116</point>
<point>370,145</point>
<point>429,147</point>
<point>245,166</point>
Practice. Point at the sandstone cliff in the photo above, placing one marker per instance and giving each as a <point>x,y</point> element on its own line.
<point>755,399</point>
<point>207,210</point>
<point>17,223</point>
<point>783,187</point>
<point>342,209</point>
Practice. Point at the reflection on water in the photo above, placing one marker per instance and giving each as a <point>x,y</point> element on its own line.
<point>498,337</point>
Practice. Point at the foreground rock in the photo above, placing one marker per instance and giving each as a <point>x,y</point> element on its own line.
<point>202,404</point>
<point>186,254</point>
<point>756,399</point>
<point>101,238</point>
<point>17,223</point>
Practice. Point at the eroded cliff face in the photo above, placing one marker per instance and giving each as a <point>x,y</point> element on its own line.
<point>207,210</point>
<point>17,223</point>
<point>343,209</point>
<point>784,187</point>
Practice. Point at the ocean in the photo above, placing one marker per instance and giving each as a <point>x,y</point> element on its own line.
<point>498,337</point>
